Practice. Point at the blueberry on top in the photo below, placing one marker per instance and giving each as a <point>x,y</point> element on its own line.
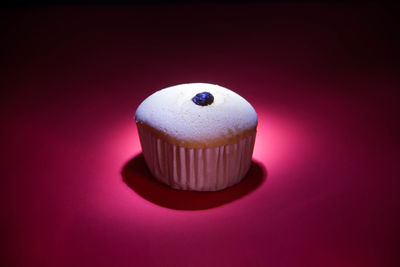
<point>203,99</point>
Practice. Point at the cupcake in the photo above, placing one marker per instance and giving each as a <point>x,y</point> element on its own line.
<point>197,136</point>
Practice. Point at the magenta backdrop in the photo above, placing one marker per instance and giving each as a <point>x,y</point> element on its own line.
<point>324,186</point>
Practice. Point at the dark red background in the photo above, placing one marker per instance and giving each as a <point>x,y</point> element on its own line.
<point>324,186</point>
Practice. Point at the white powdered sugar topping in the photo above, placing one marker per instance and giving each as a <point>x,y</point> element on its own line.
<point>172,112</point>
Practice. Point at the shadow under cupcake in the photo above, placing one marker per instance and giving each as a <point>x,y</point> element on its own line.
<point>137,176</point>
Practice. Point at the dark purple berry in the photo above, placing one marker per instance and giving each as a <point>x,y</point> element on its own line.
<point>203,99</point>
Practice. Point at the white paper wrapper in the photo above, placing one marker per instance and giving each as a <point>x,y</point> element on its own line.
<point>208,169</point>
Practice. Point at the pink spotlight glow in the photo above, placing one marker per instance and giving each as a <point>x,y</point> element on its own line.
<point>324,188</point>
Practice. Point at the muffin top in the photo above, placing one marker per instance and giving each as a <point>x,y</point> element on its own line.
<point>197,115</point>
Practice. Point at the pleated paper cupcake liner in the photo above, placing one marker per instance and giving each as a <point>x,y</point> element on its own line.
<point>208,169</point>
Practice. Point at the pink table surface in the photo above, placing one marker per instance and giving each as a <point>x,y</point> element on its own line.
<point>324,186</point>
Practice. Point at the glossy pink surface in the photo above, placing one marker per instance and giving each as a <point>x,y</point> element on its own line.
<point>324,187</point>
